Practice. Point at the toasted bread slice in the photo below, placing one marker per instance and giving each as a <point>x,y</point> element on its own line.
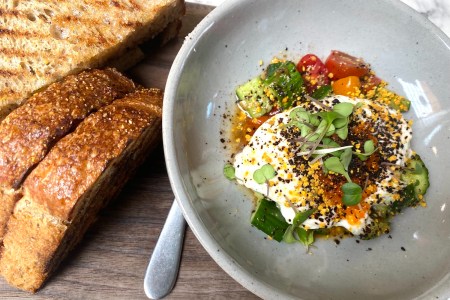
<point>64,193</point>
<point>43,41</point>
<point>28,133</point>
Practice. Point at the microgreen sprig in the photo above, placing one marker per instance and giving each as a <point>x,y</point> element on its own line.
<point>296,233</point>
<point>264,174</point>
<point>229,171</point>
<point>315,128</point>
<point>369,149</point>
<point>334,164</point>
<point>352,193</point>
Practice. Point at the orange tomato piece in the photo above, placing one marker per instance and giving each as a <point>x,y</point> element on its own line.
<point>347,86</point>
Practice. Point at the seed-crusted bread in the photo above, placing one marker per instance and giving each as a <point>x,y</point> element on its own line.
<point>28,133</point>
<point>63,194</point>
<point>43,41</point>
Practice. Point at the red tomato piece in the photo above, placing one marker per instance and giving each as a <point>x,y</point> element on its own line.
<point>313,72</point>
<point>370,82</point>
<point>342,65</point>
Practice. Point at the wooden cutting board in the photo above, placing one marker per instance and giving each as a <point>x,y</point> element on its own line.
<point>111,260</point>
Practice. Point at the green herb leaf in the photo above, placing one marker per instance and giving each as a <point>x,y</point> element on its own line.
<point>346,158</point>
<point>352,193</point>
<point>334,164</point>
<point>302,216</point>
<point>342,132</point>
<point>322,127</point>
<point>340,122</point>
<point>331,130</point>
<point>329,116</point>
<point>306,237</point>
<point>265,173</point>
<point>228,171</point>
<point>332,144</point>
<point>369,147</point>
<point>295,233</point>
<point>299,114</point>
<point>345,109</point>
<point>314,120</point>
<point>288,236</point>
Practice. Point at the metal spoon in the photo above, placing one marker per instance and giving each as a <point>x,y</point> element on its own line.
<point>162,271</point>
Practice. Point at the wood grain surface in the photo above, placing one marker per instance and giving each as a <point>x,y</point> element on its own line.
<point>111,260</point>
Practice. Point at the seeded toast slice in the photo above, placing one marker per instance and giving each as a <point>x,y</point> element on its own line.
<point>64,193</point>
<point>44,41</point>
<point>28,133</point>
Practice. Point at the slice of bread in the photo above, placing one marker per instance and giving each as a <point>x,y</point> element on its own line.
<point>43,41</point>
<point>63,194</point>
<point>28,133</point>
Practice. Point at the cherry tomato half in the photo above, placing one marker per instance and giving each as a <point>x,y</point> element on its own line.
<point>342,65</point>
<point>369,82</point>
<point>346,86</point>
<point>313,72</point>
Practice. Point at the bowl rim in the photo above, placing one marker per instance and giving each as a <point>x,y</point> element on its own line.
<point>223,259</point>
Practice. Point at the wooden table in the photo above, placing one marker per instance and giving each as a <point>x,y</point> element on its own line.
<point>111,260</point>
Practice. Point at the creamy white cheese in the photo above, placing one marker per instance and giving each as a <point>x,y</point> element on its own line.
<point>298,187</point>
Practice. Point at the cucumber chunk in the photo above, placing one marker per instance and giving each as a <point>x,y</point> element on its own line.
<point>322,92</point>
<point>285,83</point>
<point>416,173</point>
<point>253,99</point>
<point>268,218</point>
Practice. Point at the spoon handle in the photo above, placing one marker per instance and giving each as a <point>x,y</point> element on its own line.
<point>162,271</point>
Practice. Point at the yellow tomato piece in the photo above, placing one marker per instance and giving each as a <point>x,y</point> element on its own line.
<point>348,86</point>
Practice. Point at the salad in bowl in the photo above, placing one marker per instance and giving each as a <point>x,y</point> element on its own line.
<point>325,148</point>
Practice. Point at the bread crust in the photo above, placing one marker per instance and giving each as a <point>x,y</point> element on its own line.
<point>44,41</point>
<point>81,173</point>
<point>28,133</point>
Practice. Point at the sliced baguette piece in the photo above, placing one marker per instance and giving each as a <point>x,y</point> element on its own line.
<point>28,133</point>
<point>43,41</point>
<point>63,195</point>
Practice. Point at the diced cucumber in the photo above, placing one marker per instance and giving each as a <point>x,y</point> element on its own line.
<point>322,92</point>
<point>376,228</point>
<point>416,173</point>
<point>253,99</point>
<point>268,218</point>
<point>408,198</point>
<point>404,105</point>
<point>285,83</point>
<point>396,101</point>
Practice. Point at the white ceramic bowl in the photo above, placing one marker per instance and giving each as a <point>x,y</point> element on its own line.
<point>224,51</point>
